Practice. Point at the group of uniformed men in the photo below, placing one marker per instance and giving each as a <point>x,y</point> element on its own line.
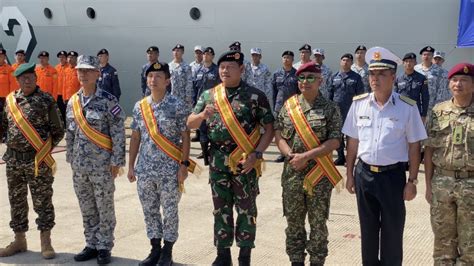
<point>238,114</point>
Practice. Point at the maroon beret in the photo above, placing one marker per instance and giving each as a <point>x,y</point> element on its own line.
<point>462,69</point>
<point>308,67</point>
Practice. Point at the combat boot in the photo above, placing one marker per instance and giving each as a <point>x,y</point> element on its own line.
<point>205,152</point>
<point>154,256</point>
<point>47,251</point>
<point>244,256</point>
<point>297,264</point>
<point>166,258</point>
<point>18,245</point>
<point>223,257</point>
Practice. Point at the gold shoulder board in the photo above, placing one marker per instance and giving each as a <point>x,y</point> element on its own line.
<point>360,96</point>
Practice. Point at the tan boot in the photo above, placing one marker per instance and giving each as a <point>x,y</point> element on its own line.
<point>47,251</point>
<point>17,246</point>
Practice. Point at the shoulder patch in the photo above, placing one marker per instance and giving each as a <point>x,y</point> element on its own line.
<point>360,96</point>
<point>116,110</point>
<point>407,100</point>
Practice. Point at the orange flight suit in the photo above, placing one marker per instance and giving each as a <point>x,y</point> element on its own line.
<point>72,83</point>
<point>7,80</point>
<point>47,79</point>
<point>61,69</point>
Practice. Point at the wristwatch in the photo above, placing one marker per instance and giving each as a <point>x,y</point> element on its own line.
<point>414,181</point>
<point>185,163</point>
<point>258,154</point>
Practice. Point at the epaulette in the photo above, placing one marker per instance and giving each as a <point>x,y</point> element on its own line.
<point>360,96</point>
<point>407,100</point>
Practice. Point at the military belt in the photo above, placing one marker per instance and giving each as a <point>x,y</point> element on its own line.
<point>21,155</point>
<point>226,148</point>
<point>384,168</point>
<point>456,174</point>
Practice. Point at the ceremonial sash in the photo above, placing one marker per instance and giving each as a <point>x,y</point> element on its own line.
<point>325,166</point>
<point>43,148</point>
<point>246,144</point>
<point>94,136</point>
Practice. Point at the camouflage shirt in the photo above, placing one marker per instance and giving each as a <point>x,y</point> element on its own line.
<point>325,120</point>
<point>260,77</point>
<point>103,113</point>
<point>42,113</point>
<point>434,76</point>
<point>364,74</point>
<point>182,83</point>
<point>451,135</point>
<point>326,72</point>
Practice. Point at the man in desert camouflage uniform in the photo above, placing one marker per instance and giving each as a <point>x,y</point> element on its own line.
<point>40,110</point>
<point>449,166</point>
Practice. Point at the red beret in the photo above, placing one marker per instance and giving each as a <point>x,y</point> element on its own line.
<point>308,67</point>
<point>462,69</point>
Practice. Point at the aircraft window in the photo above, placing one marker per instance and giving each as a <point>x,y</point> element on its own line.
<point>195,13</point>
<point>48,13</point>
<point>90,13</point>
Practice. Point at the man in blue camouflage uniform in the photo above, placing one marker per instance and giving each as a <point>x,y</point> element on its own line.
<point>325,71</point>
<point>181,77</point>
<point>284,85</point>
<point>305,55</point>
<point>158,174</point>
<point>444,94</point>
<point>198,57</point>
<point>259,75</point>
<point>237,46</point>
<point>108,80</point>
<point>413,85</point>
<point>345,84</point>
<point>361,67</point>
<point>95,168</point>
<point>152,55</point>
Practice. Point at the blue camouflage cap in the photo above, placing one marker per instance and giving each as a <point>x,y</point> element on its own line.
<point>87,62</point>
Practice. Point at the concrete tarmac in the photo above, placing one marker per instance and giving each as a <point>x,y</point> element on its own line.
<point>195,243</point>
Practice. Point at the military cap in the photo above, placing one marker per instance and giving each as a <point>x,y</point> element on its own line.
<point>308,67</point>
<point>24,68</point>
<point>347,55</point>
<point>380,58</point>
<point>102,51</point>
<point>427,49</point>
<point>255,51</point>
<point>152,49</point>
<point>87,62</point>
<point>158,67</point>
<point>198,48</point>
<point>318,51</point>
<point>360,48</point>
<point>287,53</point>
<point>61,53</point>
<point>235,46</point>
<point>73,53</point>
<point>209,50</point>
<point>409,56</point>
<point>231,56</point>
<point>178,46</point>
<point>3,51</point>
<point>439,54</point>
<point>305,47</point>
<point>43,53</point>
<point>21,51</point>
<point>461,69</point>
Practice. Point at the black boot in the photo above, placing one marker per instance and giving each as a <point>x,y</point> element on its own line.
<point>154,256</point>
<point>297,264</point>
<point>223,257</point>
<point>166,258</point>
<point>244,256</point>
<point>205,152</point>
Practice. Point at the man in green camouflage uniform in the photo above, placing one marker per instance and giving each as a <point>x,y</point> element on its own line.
<point>449,166</point>
<point>325,120</point>
<point>251,108</point>
<point>40,109</point>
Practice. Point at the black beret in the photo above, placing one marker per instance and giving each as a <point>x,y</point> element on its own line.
<point>3,51</point>
<point>287,53</point>
<point>178,46</point>
<point>360,48</point>
<point>409,56</point>
<point>73,53</point>
<point>427,49</point>
<point>305,47</point>
<point>43,53</point>
<point>61,53</point>
<point>21,51</point>
<point>235,46</point>
<point>231,56</point>
<point>102,51</point>
<point>152,49</point>
<point>347,56</point>
<point>158,67</point>
<point>209,50</point>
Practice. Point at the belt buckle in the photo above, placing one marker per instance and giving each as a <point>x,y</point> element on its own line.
<point>374,169</point>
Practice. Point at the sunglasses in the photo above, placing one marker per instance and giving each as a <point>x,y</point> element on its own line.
<point>309,79</point>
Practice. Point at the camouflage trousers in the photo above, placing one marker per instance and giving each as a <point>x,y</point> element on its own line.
<point>296,205</point>
<point>155,192</point>
<point>95,193</point>
<point>20,176</point>
<point>239,190</point>
<point>452,220</point>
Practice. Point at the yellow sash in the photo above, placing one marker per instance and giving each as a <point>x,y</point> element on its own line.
<point>246,143</point>
<point>95,136</point>
<point>325,166</point>
<point>43,148</point>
